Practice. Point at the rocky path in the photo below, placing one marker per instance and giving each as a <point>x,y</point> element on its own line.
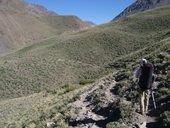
<point>86,118</point>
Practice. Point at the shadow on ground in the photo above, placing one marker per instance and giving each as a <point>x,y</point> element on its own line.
<point>111,113</point>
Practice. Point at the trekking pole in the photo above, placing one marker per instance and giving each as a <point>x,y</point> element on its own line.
<point>153,99</point>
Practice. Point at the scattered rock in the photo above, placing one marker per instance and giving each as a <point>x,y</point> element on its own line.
<point>51,124</point>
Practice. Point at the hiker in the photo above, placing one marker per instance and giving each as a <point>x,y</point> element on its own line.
<point>144,75</point>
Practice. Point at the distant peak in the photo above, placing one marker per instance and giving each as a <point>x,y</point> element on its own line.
<point>9,1</point>
<point>38,9</point>
<point>90,23</point>
<point>140,6</point>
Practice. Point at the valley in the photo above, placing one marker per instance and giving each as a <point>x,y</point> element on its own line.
<point>74,75</point>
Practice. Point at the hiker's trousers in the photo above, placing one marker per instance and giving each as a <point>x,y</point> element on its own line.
<point>144,101</point>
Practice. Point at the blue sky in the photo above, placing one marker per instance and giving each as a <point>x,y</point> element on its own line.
<point>97,11</point>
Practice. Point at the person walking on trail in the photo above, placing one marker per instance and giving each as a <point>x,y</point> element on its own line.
<point>144,75</point>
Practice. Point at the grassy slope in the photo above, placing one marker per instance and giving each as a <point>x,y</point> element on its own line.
<point>37,109</point>
<point>81,55</point>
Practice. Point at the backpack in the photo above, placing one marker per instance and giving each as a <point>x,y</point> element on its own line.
<point>145,79</point>
<point>137,72</point>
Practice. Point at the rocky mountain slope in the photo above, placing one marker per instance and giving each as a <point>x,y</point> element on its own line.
<point>90,23</point>
<point>23,24</point>
<point>140,6</point>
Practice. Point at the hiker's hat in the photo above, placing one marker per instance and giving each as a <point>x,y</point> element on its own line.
<point>144,61</point>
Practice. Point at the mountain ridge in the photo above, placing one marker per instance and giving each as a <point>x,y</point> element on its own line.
<point>140,6</point>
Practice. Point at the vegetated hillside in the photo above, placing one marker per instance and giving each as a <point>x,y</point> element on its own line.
<point>83,55</point>
<point>79,58</point>
<point>140,6</point>
<point>102,104</point>
<point>22,24</point>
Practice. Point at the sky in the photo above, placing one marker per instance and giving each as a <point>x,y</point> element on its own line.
<point>97,11</point>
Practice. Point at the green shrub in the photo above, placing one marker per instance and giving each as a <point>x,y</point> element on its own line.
<point>120,88</point>
<point>63,90</point>
<point>164,91</point>
<point>166,119</point>
<point>115,125</point>
<point>126,111</point>
<point>84,82</point>
<point>123,75</point>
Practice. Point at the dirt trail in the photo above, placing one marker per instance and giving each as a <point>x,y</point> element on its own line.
<point>86,118</point>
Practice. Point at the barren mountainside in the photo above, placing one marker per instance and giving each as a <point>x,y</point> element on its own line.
<point>23,24</point>
<point>140,6</point>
